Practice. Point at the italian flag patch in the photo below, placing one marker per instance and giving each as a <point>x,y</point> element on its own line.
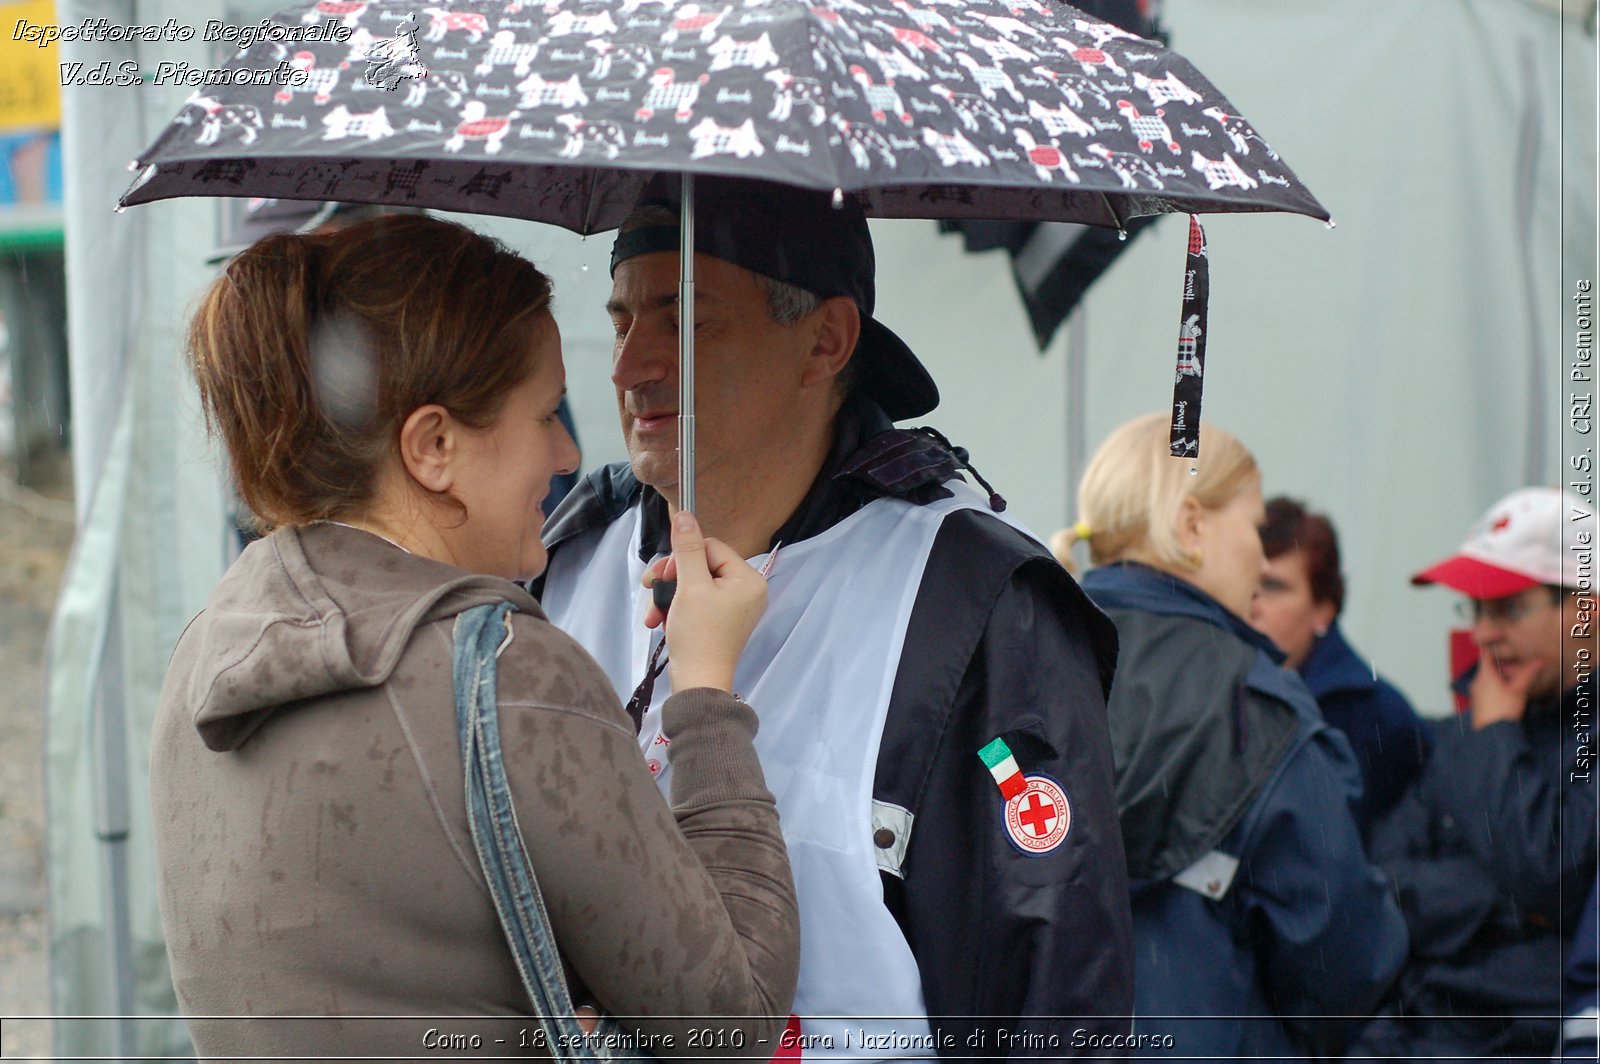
<point>1002,765</point>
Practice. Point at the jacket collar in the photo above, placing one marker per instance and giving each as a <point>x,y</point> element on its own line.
<point>869,458</point>
<point>598,499</point>
<point>1332,665</point>
<point>1135,586</point>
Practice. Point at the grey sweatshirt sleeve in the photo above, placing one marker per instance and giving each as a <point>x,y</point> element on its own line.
<point>680,921</point>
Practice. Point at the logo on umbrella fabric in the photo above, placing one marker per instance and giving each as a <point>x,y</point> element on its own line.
<point>397,59</point>
<point>1037,820</point>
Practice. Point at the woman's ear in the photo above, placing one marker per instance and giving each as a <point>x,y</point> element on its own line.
<point>838,327</point>
<point>1323,614</point>
<point>429,444</point>
<point>1191,518</point>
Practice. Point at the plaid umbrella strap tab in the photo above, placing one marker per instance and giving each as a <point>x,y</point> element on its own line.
<point>1189,383</point>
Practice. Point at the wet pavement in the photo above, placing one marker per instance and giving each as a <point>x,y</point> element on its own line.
<point>35,537</point>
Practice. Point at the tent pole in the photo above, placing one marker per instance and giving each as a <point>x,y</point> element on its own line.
<point>1076,409</point>
<point>110,759</point>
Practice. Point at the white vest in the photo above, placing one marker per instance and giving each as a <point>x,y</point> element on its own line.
<point>843,597</point>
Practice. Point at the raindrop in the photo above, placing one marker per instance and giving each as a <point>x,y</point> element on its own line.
<point>133,166</point>
<point>1194,471</point>
<point>1122,235</point>
<point>120,208</point>
<point>1332,224</point>
<point>584,268</point>
<point>838,198</point>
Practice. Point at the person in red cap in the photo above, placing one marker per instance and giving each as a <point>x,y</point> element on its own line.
<point>1520,569</point>
<point>1492,852</point>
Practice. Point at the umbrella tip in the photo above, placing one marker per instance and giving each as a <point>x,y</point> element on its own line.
<point>121,207</point>
<point>1332,225</point>
<point>133,166</point>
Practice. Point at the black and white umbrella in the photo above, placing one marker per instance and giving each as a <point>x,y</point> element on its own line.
<point>561,112</point>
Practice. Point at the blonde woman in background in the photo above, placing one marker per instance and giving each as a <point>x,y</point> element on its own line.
<point>1253,901</point>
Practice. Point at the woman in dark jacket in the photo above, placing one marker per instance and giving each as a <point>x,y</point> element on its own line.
<point>1302,595</point>
<point>1253,901</point>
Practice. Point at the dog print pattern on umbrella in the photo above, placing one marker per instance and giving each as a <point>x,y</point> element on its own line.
<point>922,108</point>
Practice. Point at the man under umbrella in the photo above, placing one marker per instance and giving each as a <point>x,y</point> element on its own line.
<point>931,684</point>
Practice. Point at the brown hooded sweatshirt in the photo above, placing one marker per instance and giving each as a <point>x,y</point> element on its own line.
<point>311,831</point>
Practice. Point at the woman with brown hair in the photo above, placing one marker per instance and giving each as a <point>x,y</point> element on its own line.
<point>387,396</point>
<point>1257,922</point>
<point>1298,608</point>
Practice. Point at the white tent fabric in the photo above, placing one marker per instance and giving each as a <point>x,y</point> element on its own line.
<point>1401,371</point>
<point>151,544</point>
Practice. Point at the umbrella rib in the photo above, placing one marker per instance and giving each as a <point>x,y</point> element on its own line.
<point>588,204</point>
<point>1111,209</point>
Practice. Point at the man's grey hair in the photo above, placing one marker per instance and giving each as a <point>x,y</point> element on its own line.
<point>786,303</point>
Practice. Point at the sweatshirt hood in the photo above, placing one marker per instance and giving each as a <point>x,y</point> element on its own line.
<point>309,612</point>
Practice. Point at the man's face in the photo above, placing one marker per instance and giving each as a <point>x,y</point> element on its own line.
<point>1525,627</point>
<point>748,374</point>
<point>1286,611</point>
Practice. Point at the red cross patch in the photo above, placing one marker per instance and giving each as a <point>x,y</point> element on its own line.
<point>1037,819</point>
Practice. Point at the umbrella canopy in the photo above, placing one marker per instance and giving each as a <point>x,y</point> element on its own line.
<point>559,113</point>
<point>952,109</point>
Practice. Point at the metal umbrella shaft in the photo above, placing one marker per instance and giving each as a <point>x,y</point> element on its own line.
<point>686,500</point>
<point>662,590</point>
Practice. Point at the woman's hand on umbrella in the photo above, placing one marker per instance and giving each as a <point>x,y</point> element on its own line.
<point>717,604</point>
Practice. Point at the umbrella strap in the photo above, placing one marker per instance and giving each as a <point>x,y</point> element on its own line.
<point>1189,382</point>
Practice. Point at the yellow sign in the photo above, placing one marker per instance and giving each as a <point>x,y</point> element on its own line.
<point>30,85</point>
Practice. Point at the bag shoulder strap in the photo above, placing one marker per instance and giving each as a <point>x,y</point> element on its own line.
<point>481,633</point>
